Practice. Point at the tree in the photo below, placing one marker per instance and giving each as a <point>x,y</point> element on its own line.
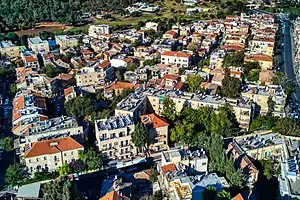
<point>13,88</point>
<point>92,158</point>
<point>223,195</point>
<point>224,121</point>
<point>271,104</point>
<point>131,66</point>
<point>267,168</point>
<point>169,109</point>
<point>12,36</point>
<point>158,195</point>
<point>7,143</point>
<point>216,153</point>
<point>231,86</point>
<point>235,59</point>
<point>153,176</point>
<point>194,82</point>
<point>140,136</point>
<point>148,63</point>
<point>14,175</point>
<point>80,107</point>
<point>51,71</point>
<point>253,75</point>
<point>64,170</point>
<point>235,177</point>
<point>209,193</point>
<point>287,126</point>
<point>265,122</point>
<point>60,189</point>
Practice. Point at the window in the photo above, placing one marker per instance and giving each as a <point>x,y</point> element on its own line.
<point>45,158</point>
<point>72,153</point>
<point>37,159</point>
<point>65,154</point>
<point>204,163</point>
<point>29,161</point>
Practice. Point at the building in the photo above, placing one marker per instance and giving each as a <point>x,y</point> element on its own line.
<point>28,108</point>
<point>98,74</point>
<point>266,77</point>
<point>141,101</point>
<point>52,128</point>
<point>7,48</point>
<point>114,195</point>
<point>49,155</point>
<point>114,137</point>
<point>37,44</point>
<point>261,95</point>
<point>117,88</point>
<point>31,61</point>
<point>97,30</point>
<point>196,162</point>
<point>66,41</point>
<point>158,131</point>
<point>176,58</point>
<point>264,61</point>
<point>70,93</point>
<point>150,26</point>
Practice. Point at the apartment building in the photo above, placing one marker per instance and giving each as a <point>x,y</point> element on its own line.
<point>264,61</point>
<point>28,108</point>
<point>141,101</point>
<point>114,137</point>
<point>263,45</point>
<point>66,41</point>
<point>49,155</point>
<point>98,74</point>
<point>45,130</point>
<point>261,94</point>
<point>7,48</point>
<point>96,30</point>
<point>31,61</point>
<point>70,93</point>
<point>158,132</point>
<point>36,44</point>
<point>176,58</point>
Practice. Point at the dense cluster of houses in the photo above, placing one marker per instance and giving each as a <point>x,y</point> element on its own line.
<point>93,63</point>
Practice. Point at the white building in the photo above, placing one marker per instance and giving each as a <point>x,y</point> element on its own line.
<point>37,44</point>
<point>7,48</point>
<point>49,155</point>
<point>66,41</point>
<point>114,137</point>
<point>96,30</point>
<point>176,57</point>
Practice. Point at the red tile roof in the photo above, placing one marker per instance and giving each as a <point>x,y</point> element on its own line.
<point>47,147</point>
<point>104,64</point>
<point>154,120</point>
<point>168,168</point>
<point>179,86</point>
<point>68,90</point>
<point>171,76</point>
<point>171,32</point>
<point>65,77</point>
<point>121,85</point>
<point>259,57</point>
<point>238,197</point>
<point>113,195</point>
<point>179,54</point>
<point>31,59</point>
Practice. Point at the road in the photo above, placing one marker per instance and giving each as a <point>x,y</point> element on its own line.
<point>288,59</point>
<point>8,158</point>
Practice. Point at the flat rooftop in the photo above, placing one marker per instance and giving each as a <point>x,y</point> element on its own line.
<point>65,37</point>
<point>53,124</point>
<point>184,155</point>
<point>6,44</point>
<point>113,123</point>
<point>258,141</point>
<point>272,90</point>
<point>36,40</point>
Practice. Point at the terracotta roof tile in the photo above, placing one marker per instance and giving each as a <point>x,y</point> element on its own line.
<point>65,77</point>
<point>179,54</point>
<point>238,197</point>
<point>179,86</point>
<point>31,59</point>
<point>168,168</point>
<point>154,120</point>
<point>259,57</point>
<point>113,195</point>
<point>68,90</point>
<point>104,64</point>
<point>120,85</point>
<point>47,147</point>
<point>171,76</point>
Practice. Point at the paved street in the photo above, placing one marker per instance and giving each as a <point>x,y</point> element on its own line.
<point>7,157</point>
<point>288,58</point>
